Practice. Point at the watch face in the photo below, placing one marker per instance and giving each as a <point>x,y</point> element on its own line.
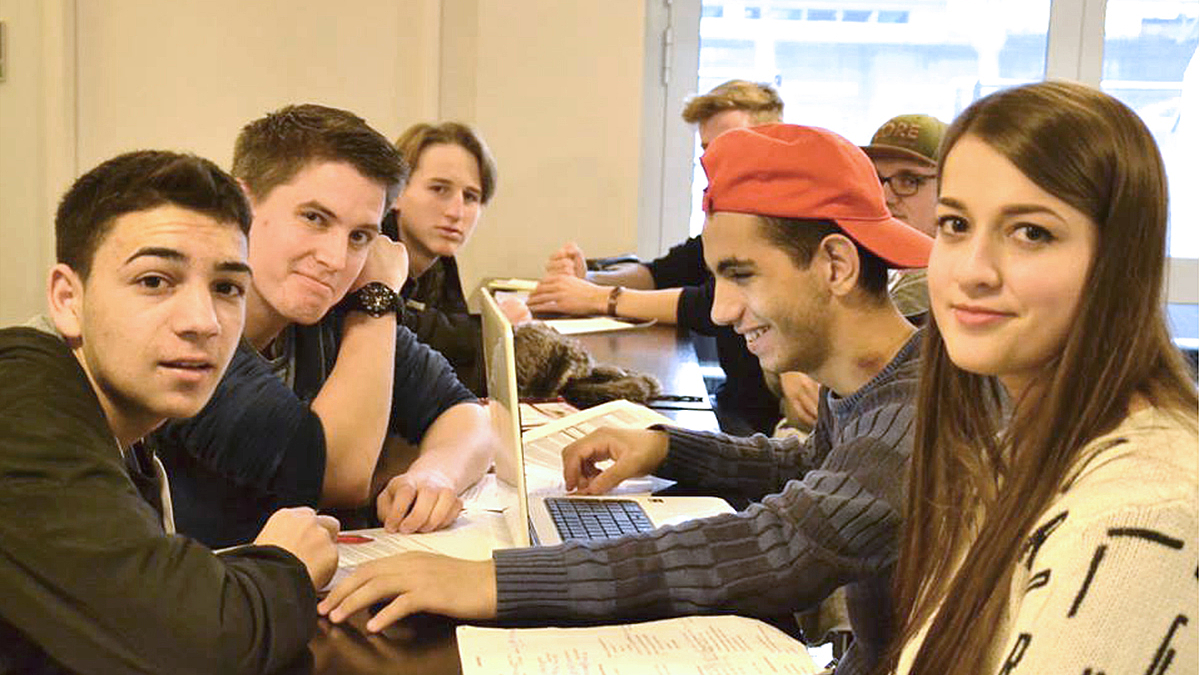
<point>377,299</point>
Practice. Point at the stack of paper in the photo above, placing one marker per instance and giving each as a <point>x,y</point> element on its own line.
<point>693,645</point>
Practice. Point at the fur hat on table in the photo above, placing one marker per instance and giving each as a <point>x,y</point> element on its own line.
<point>550,364</point>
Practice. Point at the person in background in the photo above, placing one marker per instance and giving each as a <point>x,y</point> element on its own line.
<point>453,178</point>
<point>311,394</point>
<point>799,240</point>
<point>904,151</point>
<point>677,287</point>
<point>146,304</point>
<point>1055,466</point>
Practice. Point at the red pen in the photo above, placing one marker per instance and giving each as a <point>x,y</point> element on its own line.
<point>353,539</point>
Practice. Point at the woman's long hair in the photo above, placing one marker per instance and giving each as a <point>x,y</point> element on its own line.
<point>979,483</point>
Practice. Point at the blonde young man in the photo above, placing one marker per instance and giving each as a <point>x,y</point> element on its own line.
<point>676,288</point>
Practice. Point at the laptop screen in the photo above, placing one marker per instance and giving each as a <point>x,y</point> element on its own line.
<point>500,361</point>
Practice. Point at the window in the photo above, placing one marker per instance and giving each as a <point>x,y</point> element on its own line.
<point>836,69</point>
<point>888,16</point>
<point>853,75</point>
<point>1150,64</point>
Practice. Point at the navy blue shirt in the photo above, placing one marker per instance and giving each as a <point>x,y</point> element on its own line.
<point>258,446</point>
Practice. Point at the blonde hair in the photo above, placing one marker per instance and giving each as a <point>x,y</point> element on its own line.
<point>758,99</point>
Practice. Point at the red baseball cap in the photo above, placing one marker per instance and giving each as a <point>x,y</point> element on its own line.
<point>791,171</point>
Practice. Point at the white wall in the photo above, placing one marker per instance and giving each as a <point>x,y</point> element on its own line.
<point>33,133</point>
<point>554,87</point>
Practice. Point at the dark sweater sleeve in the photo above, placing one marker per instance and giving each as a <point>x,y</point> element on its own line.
<point>694,310</point>
<point>256,433</point>
<point>756,466</point>
<point>683,265</point>
<point>89,576</point>
<point>836,525</point>
<point>785,554</point>
<point>425,386</point>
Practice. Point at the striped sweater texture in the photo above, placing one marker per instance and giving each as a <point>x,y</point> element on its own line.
<point>829,516</point>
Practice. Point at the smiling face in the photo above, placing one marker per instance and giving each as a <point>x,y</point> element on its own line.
<point>309,240</point>
<point>157,320</point>
<point>782,310</point>
<point>440,206</point>
<point>1007,268</point>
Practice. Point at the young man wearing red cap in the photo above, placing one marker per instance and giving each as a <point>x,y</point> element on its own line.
<point>799,238</point>
<point>676,288</point>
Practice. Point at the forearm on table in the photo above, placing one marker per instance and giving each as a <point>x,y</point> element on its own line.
<point>460,444</point>
<point>354,405</point>
<point>661,306</point>
<point>629,275</point>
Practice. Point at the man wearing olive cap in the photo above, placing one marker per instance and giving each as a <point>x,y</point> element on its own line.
<point>799,239</point>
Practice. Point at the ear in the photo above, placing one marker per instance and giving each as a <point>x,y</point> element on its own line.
<point>839,257</point>
<point>245,191</point>
<point>65,295</point>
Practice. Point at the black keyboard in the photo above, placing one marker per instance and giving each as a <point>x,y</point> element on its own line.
<point>597,518</point>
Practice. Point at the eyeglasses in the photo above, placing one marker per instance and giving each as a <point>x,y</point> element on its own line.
<point>906,183</point>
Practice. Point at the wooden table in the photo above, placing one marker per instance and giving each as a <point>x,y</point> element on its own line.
<point>666,353</point>
<point>425,644</point>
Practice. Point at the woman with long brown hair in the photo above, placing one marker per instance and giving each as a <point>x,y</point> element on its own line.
<point>1051,521</point>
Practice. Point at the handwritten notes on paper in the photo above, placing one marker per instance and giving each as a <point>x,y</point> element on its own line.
<point>695,645</point>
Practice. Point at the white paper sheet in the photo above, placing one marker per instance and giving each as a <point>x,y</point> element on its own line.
<point>694,645</point>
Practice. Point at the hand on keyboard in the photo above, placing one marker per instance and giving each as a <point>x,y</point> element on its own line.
<point>635,452</point>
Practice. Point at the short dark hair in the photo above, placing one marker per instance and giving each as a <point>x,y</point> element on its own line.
<point>416,138</point>
<point>271,150</point>
<point>799,238</point>
<point>137,181</point>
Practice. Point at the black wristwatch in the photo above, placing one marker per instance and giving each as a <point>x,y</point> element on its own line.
<point>374,298</point>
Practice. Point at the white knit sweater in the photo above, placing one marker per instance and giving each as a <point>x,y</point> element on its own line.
<point>1107,582</point>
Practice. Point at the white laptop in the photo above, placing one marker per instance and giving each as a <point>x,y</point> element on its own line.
<point>543,513</point>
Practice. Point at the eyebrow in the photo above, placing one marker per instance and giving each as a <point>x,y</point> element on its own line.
<point>729,263</point>
<point>318,206</point>
<point>234,266</point>
<point>1007,211</point>
<point>157,252</point>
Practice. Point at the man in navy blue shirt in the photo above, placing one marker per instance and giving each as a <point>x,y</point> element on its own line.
<point>312,394</point>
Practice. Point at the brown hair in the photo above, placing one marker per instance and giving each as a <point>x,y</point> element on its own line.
<point>271,150</point>
<point>1095,154</point>
<point>800,238</point>
<point>416,138</point>
<point>760,100</point>
<point>138,181</point>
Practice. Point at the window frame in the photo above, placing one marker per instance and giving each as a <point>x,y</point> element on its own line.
<point>1074,51</point>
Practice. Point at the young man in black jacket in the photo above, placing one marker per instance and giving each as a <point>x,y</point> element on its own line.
<point>146,305</point>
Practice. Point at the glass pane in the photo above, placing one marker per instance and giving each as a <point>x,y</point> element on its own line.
<point>1150,64</point>
<point>849,66</point>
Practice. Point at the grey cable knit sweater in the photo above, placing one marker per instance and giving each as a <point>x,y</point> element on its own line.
<point>833,520</point>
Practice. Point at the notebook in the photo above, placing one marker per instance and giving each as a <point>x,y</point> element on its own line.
<point>533,465</point>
